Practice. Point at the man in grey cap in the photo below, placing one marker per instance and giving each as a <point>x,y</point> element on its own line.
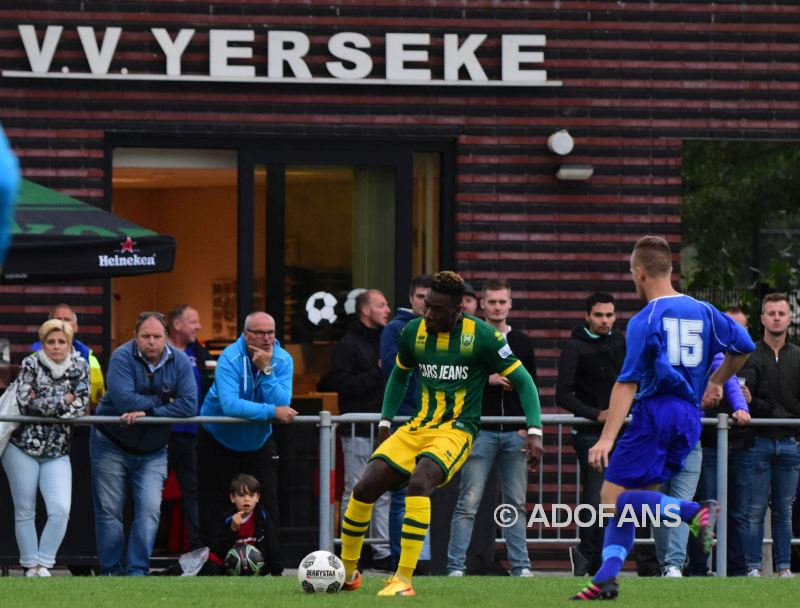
<point>469,303</point>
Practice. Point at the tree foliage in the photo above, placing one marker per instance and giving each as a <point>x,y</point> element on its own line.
<point>741,202</point>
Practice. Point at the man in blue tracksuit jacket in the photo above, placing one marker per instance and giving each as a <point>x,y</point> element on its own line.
<point>253,380</point>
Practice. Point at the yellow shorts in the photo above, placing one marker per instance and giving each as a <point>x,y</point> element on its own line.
<point>449,448</point>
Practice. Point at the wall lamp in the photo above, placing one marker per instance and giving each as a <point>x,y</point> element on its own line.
<point>562,143</point>
<point>572,173</point>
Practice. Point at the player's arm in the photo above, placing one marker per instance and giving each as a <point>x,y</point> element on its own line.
<point>397,385</point>
<point>620,404</point>
<point>736,343</point>
<point>392,398</point>
<point>731,364</point>
<point>529,399</point>
<point>395,391</point>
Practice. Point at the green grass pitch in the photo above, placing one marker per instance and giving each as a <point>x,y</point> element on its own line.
<point>434,592</point>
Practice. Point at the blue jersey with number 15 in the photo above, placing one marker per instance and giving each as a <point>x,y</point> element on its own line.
<point>671,344</point>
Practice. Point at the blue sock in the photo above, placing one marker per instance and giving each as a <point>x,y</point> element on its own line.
<point>617,543</point>
<point>656,500</point>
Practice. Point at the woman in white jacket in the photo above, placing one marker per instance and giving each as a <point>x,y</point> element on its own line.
<point>52,383</point>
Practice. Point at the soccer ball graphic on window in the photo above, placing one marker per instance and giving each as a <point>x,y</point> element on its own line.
<point>321,572</point>
<point>319,308</point>
<point>350,302</point>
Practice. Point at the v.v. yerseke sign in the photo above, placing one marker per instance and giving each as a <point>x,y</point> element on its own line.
<point>407,57</point>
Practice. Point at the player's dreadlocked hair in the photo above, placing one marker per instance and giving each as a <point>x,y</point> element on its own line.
<point>449,283</point>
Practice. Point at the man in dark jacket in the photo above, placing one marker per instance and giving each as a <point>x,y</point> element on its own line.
<point>741,439</point>
<point>184,325</point>
<point>146,377</point>
<point>587,369</point>
<point>356,375</point>
<point>390,345</point>
<point>773,376</point>
<point>500,443</point>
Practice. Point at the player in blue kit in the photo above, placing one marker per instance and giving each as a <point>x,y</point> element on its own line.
<point>670,347</point>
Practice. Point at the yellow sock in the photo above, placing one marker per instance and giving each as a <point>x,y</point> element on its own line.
<point>354,526</point>
<point>415,527</point>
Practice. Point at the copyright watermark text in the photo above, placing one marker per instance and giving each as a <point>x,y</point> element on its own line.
<point>587,516</point>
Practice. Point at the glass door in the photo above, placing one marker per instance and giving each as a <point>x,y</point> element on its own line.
<point>338,238</point>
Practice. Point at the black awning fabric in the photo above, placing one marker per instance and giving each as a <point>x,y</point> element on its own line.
<point>59,238</point>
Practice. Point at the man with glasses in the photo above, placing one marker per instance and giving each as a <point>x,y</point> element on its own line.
<point>253,380</point>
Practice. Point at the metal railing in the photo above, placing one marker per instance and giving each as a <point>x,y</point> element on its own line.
<point>328,423</point>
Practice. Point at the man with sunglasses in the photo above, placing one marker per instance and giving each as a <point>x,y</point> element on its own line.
<point>253,380</point>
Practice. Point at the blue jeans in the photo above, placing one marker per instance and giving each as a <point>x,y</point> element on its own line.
<point>114,472</point>
<point>671,542</point>
<point>740,489</point>
<point>53,476</point>
<point>706,490</point>
<point>775,476</point>
<point>506,448</point>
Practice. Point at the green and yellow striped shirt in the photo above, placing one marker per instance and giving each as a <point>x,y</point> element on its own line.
<point>453,369</point>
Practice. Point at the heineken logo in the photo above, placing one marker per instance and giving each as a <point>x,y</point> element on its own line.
<point>105,261</point>
<point>131,257</point>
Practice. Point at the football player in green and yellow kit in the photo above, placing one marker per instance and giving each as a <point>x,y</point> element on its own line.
<point>455,354</point>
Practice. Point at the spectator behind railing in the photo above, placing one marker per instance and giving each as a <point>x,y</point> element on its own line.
<point>773,377</point>
<point>97,384</point>
<point>146,377</point>
<point>253,380</point>
<point>356,375</point>
<point>52,383</point>
<point>184,325</point>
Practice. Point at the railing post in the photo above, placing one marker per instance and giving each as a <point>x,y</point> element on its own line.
<point>325,529</point>
<point>723,424</point>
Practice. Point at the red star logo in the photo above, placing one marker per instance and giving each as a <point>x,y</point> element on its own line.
<point>127,246</point>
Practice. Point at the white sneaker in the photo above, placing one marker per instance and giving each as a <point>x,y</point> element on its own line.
<point>32,572</point>
<point>672,572</point>
<point>525,573</point>
<point>456,573</point>
<point>786,574</point>
<point>754,572</point>
<point>43,572</point>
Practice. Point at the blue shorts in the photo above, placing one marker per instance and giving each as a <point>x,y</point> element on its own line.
<point>655,445</point>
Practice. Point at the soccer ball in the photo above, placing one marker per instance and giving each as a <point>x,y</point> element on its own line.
<point>244,560</point>
<point>321,571</point>
<point>319,307</point>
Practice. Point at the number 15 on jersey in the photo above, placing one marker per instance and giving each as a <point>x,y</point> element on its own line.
<point>684,341</point>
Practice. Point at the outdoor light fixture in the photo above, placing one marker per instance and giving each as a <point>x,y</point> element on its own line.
<point>561,142</point>
<point>575,172</point>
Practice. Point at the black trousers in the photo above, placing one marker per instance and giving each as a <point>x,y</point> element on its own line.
<point>182,458</point>
<point>591,545</point>
<point>217,466</point>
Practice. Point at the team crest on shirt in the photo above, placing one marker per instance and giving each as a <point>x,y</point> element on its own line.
<point>467,340</point>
